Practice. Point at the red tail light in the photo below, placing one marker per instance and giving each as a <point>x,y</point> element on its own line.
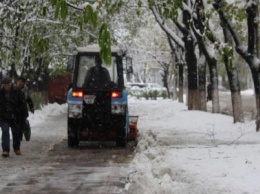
<point>77,94</point>
<point>116,94</point>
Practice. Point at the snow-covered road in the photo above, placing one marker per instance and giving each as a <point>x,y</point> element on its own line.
<point>47,165</point>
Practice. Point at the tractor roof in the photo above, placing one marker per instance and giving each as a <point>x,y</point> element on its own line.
<point>95,49</point>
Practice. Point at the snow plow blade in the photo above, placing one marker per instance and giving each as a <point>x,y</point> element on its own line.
<point>133,128</point>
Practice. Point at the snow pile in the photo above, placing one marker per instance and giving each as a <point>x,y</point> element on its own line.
<point>47,111</point>
<point>182,151</point>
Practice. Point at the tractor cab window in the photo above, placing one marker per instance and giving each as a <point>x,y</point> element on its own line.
<point>93,72</point>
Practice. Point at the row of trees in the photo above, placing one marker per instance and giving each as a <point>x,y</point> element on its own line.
<point>205,35</point>
<point>34,43</point>
<point>200,25</point>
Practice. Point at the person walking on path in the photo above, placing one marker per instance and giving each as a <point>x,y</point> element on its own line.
<point>25,127</point>
<point>21,84</point>
<point>13,112</point>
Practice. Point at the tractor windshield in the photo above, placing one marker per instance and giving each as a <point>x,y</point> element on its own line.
<point>91,73</point>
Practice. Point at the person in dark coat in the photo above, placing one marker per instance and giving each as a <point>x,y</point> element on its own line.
<point>13,112</point>
<point>21,85</point>
<point>25,127</point>
<point>97,75</point>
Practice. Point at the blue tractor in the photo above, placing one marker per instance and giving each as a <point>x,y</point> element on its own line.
<point>97,99</point>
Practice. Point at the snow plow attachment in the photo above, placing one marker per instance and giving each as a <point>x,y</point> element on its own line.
<point>133,128</point>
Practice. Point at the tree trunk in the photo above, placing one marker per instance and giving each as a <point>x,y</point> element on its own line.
<point>237,106</point>
<point>176,61</point>
<point>202,82</point>
<point>165,76</point>
<point>192,74</point>
<point>191,60</point>
<point>253,60</point>
<point>212,64</point>
<point>251,56</point>
<point>180,92</point>
<point>199,23</point>
<point>256,80</point>
<point>214,82</point>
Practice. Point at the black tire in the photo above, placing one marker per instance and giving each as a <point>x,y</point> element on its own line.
<point>121,139</point>
<point>120,142</point>
<point>73,134</point>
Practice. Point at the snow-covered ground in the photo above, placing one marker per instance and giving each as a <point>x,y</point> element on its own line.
<point>181,151</point>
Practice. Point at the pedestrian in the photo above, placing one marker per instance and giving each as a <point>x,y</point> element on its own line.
<point>21,84</point>
<point>25,127</point>
<point>13,112</point>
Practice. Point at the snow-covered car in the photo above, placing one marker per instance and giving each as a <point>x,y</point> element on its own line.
<point>139,85</point>
<point>154,86</point>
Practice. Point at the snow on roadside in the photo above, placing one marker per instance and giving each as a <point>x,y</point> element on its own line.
<point>182,151</point>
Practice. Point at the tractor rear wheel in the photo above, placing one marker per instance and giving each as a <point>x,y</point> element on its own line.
<point>121,139</point>
<point>73,133</point>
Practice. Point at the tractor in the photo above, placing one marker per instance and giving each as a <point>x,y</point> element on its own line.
<point>99,111</point>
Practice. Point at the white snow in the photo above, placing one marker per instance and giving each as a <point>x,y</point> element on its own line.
<point>181,151</point>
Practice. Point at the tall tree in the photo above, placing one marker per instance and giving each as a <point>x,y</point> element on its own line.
<point>29,32</point>
<point>187,43</point>
<point>251,54</point>
<point>232,73</point>
<point>200,31</point>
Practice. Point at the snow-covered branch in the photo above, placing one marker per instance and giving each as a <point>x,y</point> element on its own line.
<point>174,36</point>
